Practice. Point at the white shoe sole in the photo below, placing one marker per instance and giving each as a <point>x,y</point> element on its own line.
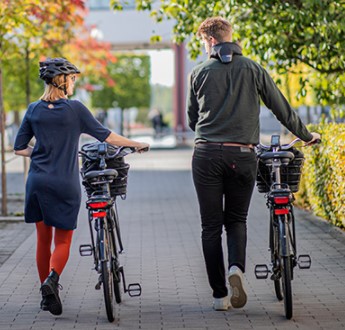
<point>239,296</point>
<point>221,306</point>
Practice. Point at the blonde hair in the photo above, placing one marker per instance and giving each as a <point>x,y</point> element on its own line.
<point>216,27</point>
<point>52,93</point>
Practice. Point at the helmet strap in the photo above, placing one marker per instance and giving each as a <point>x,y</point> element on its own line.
<point>64,88</point>
<point>65,84</point>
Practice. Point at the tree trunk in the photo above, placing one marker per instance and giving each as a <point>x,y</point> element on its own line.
<point>26,161</point>
<point>27,76</point>
<point>121,122</point>
<point>3,160</point>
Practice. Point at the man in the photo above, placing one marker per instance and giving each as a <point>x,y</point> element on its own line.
<point>223,108</point>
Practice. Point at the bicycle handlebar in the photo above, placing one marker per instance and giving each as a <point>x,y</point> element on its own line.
<point>289,145</point>
<point>119,152</point>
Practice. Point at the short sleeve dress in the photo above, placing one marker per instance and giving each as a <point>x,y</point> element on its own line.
<point>53,192</point>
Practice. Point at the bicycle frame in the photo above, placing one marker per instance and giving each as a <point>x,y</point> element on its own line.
<point>279,202</point>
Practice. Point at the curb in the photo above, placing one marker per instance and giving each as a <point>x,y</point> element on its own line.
<point>328,227</point>
<point>12,218</point>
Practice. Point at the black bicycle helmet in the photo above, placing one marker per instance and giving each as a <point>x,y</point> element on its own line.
<point>53,67</point>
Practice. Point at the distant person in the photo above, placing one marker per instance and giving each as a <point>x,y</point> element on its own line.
<point>223,107</point>
<point>157,121</point>
<point>101,116</point>
<point>53,193</point>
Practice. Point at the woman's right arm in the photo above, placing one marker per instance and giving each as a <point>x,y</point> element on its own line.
<point>24,136</point>
<point>24,152</point>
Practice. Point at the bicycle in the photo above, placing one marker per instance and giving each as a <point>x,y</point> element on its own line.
<point>278,176</point>
<point>103,185</point>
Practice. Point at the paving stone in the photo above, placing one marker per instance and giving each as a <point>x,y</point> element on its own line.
<point>161,234</point>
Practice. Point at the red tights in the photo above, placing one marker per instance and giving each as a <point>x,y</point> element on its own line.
<point>46,261</point>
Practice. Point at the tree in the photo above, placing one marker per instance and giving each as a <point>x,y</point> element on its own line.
<point>13,20</point>
<point>279,33</point>
<point>129,85</point>
<point>28,29</point>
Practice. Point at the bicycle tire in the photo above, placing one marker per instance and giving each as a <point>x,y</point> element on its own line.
<point>107,278</point>
<point>274,247</point>
<point>115,260</point>
<point>286,271</point>
<point>116,271</point>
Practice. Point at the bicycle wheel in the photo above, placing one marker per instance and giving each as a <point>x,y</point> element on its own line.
<point>274,247</point>
<point>106,270</point>
<point>285,266</point>
<point>116,273</point>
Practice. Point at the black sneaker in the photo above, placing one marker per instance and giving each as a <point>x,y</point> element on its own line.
<point>44,306</point>
<point>50,294</point>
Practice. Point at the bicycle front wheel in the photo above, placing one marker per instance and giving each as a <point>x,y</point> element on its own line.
<point>107,277</point>
<point>285,266</point>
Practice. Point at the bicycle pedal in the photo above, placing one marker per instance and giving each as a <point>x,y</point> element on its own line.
<point>304,261</point>
<point>261,271</point>
<point>85,250</point>
<point>134,290</point>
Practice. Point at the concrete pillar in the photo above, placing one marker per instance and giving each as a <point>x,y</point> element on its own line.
<point>179,92</point>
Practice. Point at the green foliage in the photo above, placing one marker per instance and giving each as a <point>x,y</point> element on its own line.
<point>322,187</point>
<point>14,88</point>
<point>162,98</point>
<point>131,84</point>
<point>278,33</point>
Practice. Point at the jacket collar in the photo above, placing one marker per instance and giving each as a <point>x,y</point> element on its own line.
<point>225,51</point>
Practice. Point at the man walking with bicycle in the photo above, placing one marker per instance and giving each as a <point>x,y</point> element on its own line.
<point>223,107</point>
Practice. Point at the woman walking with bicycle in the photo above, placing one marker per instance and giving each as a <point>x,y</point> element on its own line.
<point>53,193</point>
<point>223,107</point>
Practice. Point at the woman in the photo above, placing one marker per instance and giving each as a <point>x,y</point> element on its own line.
<point>53,191</point>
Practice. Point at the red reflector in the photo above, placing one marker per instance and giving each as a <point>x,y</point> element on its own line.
<point>281,200</point>
<point>97,205</point>
<point>281,211</point>
<point>99,214</point>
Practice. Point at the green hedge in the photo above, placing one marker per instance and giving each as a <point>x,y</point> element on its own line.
<point>322,188</point>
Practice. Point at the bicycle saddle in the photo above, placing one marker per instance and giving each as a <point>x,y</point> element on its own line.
<point>95,174</point>
<point>285,156</point>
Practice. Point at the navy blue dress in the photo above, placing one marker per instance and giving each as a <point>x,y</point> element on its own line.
<point>53,192</point>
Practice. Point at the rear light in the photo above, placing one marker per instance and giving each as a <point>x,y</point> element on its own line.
<point>99,214</point>
<point>281,211</point>
<point>97,205</point>
<point>281,200</point>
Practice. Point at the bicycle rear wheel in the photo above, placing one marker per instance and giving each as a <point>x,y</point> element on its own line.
<point>106,270</point>
<point>286,267</point>
<point>274,247</point>
<point>116,273</point>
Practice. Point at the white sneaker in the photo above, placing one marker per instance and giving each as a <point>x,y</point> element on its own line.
<point>238,294</point>
<point>221,304</point>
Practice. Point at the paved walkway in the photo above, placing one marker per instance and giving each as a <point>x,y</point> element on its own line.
<point>161,234</point>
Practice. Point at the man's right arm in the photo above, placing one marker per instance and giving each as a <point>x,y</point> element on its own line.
<point>192,106</point>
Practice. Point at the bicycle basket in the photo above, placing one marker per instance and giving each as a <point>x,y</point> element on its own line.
<point>119,185</point>
<point>290,174</point>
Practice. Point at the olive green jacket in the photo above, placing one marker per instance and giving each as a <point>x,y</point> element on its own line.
<point>223,102</point>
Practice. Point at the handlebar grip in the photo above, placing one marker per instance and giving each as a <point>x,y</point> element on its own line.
<point>317,141</point>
